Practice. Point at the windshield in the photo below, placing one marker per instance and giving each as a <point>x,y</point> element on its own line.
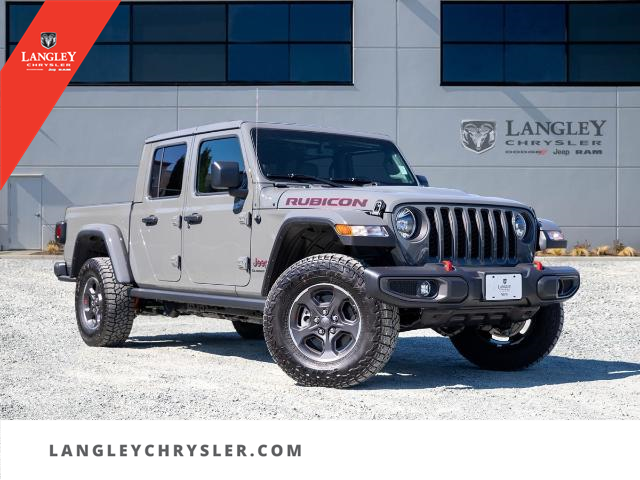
<point>334,157</point>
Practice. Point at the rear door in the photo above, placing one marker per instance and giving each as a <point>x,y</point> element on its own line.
<point>156,237</point>
<point>218,247</point>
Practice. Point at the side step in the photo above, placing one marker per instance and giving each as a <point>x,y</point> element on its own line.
<point>225,301</point>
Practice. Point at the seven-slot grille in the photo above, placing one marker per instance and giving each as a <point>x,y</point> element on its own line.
<point>479,234</point>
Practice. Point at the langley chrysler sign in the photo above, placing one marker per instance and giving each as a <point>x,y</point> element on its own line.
<point>583,137</point>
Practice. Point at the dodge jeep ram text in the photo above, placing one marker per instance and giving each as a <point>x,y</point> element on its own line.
<point>325,243</point>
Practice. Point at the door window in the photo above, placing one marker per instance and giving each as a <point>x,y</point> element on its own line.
<point>167,170</point>
<point>216,150</point>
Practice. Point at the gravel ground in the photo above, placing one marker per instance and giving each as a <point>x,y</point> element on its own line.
<point>199,368</point>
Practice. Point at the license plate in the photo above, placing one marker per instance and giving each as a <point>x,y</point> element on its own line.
<point>503,287</point>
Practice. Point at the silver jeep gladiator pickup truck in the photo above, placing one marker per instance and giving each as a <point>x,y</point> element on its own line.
<point>323,242</point>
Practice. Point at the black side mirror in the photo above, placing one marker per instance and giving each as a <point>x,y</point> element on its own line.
<point>422,180</point>
<point>225,175</point>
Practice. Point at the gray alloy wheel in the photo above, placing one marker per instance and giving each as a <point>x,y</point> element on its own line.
<point>92,304</point>
<point>324,322</point>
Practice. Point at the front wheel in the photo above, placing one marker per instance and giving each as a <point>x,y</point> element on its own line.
<point>322,329</point>
<point>519,346</point>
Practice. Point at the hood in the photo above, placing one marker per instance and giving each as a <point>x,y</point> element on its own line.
<point>364,198</point>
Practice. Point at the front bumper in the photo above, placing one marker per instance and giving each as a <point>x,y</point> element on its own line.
<point>463,287</point>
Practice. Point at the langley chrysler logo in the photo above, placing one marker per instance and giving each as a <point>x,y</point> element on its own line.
<point>478,135</point>
<point>48,39</point>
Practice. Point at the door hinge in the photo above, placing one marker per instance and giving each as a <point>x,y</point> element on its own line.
<point>245,219</point>
<point>177,221</point>
<point>176,261</point>
<point>244,263</point>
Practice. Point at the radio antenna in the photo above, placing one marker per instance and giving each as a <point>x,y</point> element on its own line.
<point>257,117</point>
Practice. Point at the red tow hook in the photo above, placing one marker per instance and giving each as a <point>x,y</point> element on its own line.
<point>538,265</point>
<point>448,266</point>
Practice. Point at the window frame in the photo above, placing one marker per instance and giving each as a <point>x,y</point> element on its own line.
<point>226,43</point>
<point>223,136</point>
<point>567,43</point>
<point>148,196</point>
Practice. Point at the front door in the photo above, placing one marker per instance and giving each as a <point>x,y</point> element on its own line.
<point>156,221</point>
<point>218,245</point>
<point>25,212</point>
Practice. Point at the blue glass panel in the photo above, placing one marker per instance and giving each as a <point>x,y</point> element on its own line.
<point>117,28</point>
<point>472,63</point>
<point>258,63</point>
<point>604,63</point>
<point>258,23</point>
<point>466,22</point>
<point>174,22</point>
<point>179,63</point>
<point>604,22</point>
<point>542,22</point>
<point>535,63</point>
<point>104,64</point>
<point>320,22</point>
<point>321,63</point>
<point>20,17</point>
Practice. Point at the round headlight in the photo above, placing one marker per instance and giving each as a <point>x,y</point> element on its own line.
<point>406,223</point>
<point>519,226</point>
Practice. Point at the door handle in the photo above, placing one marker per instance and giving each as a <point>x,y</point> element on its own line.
<point>193,219</point>
<point>150,220</point>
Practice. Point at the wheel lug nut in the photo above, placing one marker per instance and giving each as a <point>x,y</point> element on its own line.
<point>333,330</point>
<point>321,331</point>
<point>335,318</point>
<point>324,312</point>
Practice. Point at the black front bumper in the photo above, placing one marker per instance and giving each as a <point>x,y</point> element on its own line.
<point>463,287</point>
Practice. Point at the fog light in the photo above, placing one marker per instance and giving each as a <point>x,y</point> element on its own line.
<point>427,289</point>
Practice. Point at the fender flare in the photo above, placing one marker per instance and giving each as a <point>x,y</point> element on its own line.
<point>544,241</point>
<point>315,218</point>
<point>116,249</point>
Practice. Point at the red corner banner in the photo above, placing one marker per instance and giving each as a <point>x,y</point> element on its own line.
<point>41,67</point>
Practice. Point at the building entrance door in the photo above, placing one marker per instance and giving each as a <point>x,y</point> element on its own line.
<point>25,212</point>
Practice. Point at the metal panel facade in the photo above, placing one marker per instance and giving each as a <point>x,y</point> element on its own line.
<point>570,152</point>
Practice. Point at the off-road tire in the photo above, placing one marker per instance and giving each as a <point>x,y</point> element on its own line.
<point>118,309</point>
<point>378,332</point>
<point>249,331</point>
<point>538,341</point>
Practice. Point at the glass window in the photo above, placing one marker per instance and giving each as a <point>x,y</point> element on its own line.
<point>604,22</point>
<point>258,63</point>
<point>104,64</point>
<point>117,28</point>
<point>472,63</point>
<point>535,63</point>
<point>259,23</point>
<point>167,170</point>
<point>217,150</point>
<point>179,23</point>
<point>20,17</point>
<point>331,156</point>
<point>320,22</point>
<point>605,63</point>
<point>462,22</point>
<point>320,63</point>
<point>542,22</point>
<point>178,63</point>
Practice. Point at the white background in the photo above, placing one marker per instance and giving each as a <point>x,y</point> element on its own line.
<point>339,449</point>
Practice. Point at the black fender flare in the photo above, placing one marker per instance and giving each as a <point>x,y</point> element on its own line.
<point>114,242</point>
<point>304,222</point>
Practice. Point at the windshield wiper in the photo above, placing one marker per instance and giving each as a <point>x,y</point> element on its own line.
<point>301,177</point>
<point>355,181</point>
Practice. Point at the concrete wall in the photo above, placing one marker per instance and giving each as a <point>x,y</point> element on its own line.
<point>89,146</point>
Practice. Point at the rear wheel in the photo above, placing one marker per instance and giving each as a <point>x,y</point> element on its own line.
<point>322,329</point>
<point>519,346</point>
<point>104,309</point>
<point>249,331</point>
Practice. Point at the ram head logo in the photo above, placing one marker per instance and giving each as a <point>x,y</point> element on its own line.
<point>478,135</point>
<point>48,39</point>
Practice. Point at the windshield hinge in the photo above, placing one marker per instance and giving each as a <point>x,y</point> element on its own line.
<point>379,209</point>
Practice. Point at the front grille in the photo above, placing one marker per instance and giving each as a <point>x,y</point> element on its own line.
<point>475,234</point>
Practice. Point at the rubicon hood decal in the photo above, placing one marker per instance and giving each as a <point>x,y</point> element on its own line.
<point>326,202</point>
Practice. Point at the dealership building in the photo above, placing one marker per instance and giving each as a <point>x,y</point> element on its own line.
<point>535,101</point>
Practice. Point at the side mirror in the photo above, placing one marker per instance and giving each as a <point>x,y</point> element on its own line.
<point>422,180</point>
<point>225,175</point>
